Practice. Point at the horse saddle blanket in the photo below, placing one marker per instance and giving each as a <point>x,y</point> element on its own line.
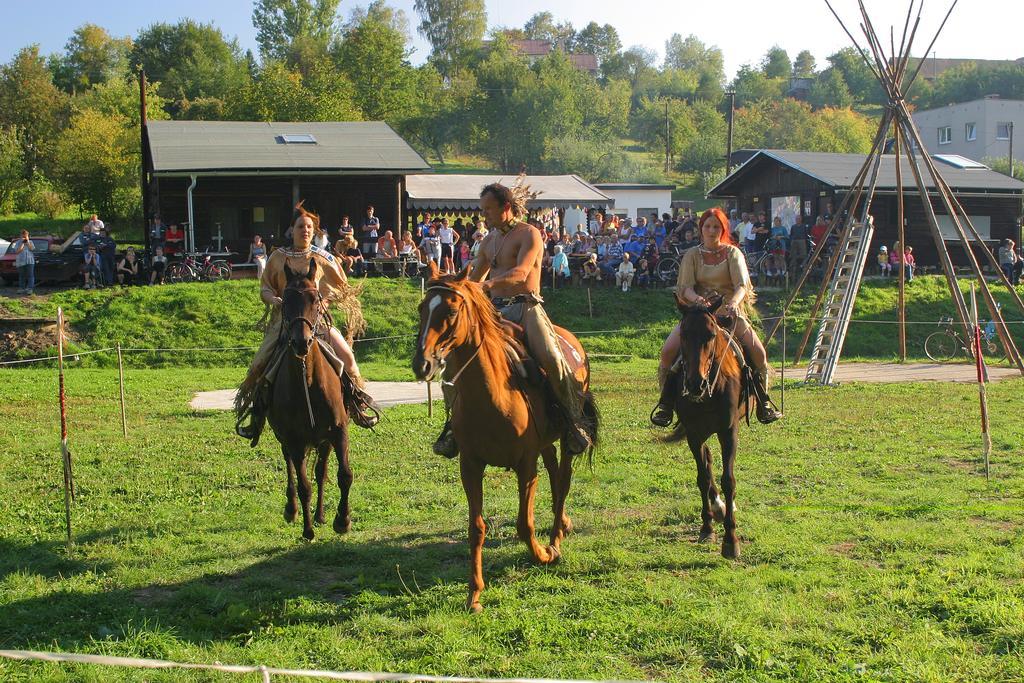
<point>522,361</point>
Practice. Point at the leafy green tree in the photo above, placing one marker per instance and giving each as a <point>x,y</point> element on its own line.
<point>12,167</point>
<point>635,65</point>
<point>663,123</point>
<point>454,28</point>
<point>197,67</point>
<point>752,85</point>
<point>1002,165</point>
<point>690,54</point>
<point>601,41</point>
<point>91,56</point>
<point>542,26</point>
<point>794,125</point>
<point>804,65</point>
<point>443,112</point>
<point>842,130</point>
<point>967,82</point>
<point>863,85</point>
<point>596,161</point>
<point>830,90</point>
<point>503,78</point>
<point>381,12</point>
<point>374,57</point>
<point>120,97</point>
<point>97,161</point>
<point>31,102</point>
<point>278,94</point>
<point>284,25</point>
<point>776,63</point>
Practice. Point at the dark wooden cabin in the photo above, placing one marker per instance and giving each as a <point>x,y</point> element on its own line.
<point>246,177</point>
<point>778,181</point>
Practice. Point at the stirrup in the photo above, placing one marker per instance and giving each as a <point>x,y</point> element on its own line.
<point>767,412</point>
<point>662,415</point>
<point>363,410</point>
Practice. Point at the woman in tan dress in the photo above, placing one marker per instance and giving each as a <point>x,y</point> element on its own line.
<point>716,267</point>
<point>250,402</point>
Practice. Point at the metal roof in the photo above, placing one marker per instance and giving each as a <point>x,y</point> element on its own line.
<point>840,170</point>
<point>245,147</point>
<point>463,191</point>
<point>633,186</point>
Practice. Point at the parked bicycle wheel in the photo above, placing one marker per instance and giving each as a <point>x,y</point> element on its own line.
<point>221,270</point>
<point>940,346</point>
<point>179,272</point>
<point>668,270</point>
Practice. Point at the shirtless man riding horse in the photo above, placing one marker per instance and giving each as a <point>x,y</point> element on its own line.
<point>508,266</point>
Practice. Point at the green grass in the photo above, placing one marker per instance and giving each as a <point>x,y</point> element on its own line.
<point>874,548</point>
<point>224,315</point>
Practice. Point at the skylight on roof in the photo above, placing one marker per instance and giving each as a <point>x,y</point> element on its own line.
<point>957,161</point>
<point>297,139</point>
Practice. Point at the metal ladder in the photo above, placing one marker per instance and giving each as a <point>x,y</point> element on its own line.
<point>838,306</point>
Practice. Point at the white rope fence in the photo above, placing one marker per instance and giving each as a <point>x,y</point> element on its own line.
<point>264,671</point>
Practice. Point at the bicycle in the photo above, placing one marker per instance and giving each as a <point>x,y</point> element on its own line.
<point>943,345</point>
<point>190,269</point>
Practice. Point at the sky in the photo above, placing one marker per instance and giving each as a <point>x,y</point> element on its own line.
<point>743,29</point>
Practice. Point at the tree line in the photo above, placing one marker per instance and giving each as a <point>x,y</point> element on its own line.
<point>69,121</point>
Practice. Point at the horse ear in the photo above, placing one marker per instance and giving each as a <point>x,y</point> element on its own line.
<point>464,273</point>
<point>432,269</point>
<point>289,274</point>
<point>716,303</point>
<point>312,269</point>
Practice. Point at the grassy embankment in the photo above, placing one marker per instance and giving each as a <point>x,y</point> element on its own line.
<point>873,547</point>
<point>223,315</point>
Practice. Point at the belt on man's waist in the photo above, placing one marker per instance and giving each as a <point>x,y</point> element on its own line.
<point>503,301</point>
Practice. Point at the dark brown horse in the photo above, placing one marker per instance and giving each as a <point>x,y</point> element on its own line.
<point>498,418</point>
<point>307,406</point>
<point>710,400</point>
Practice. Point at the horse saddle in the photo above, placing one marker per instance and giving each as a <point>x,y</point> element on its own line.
<point>519,355</point>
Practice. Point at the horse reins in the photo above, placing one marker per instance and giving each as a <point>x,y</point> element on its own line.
<point>450,333</point>
<point>314,328</point>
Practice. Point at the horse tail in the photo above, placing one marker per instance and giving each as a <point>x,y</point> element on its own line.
<point>592,423</point>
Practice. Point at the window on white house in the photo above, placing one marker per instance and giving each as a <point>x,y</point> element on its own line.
<point>945,135</point>
<point>1003,130</point>
<point>970,132</point>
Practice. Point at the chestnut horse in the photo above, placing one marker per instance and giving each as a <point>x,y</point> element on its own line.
<point>307,406</point>
<point>709,400</point>
<point>498,418</point>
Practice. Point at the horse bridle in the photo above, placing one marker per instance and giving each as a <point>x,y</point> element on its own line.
<point>448,337</point>
<point>707,384</point>
<point>314,331</point>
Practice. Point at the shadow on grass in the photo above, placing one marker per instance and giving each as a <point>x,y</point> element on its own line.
<point>321,583</point>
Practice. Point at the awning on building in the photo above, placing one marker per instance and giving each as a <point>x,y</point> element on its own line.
<point>462,192</point>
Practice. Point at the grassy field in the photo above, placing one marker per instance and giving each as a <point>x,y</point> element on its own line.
<point>874,549</point>
<point>633,324</point>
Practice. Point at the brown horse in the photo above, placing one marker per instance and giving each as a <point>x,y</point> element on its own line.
<point>709,400</point>
<point>498,417</point>
<point>307,406</point>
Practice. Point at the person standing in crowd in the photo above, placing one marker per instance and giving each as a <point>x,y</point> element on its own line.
<point>797,244</point>
<point>158,266</point>
<point>423,227</point>
<point>258,255</point>
<point>625,272</point>
<point>478,238</point>
<point>368,233</point>
<point>345,228</point>
<point>128,268</point>
<point>1010,261</point>
<point>91,275</point>
<point>448,238</point>
<point>108,255</point>
<point>94,224</point>
<point>25,262</point>
<point>745,232</point>
<point>819,230</point>
<point>560,265</point>
<point>762,231</point>
<point>430,247</point>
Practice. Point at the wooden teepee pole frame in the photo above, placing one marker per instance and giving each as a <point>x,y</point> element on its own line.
<point>891,73</point>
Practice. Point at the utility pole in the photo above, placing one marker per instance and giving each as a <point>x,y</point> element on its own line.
<point>144,180</point>
<point>732,112</point>
<point>1010,126</point>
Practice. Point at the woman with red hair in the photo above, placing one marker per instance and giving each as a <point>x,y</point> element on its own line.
<point>715,266</point>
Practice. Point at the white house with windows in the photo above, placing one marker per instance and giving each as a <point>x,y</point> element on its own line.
<point>977,130</point>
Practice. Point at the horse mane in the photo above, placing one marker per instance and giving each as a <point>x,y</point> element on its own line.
<point>495,338</point>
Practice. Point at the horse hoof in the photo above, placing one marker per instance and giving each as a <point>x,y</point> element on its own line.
<point>307,534</point>
<point>342,526</point>
<point>567,527</point>
<point>289,514</point>
<point>475,608</point>
<point>554,554</point>
<point>731,551</point>
<point>320,519</point>
<point>707,537</point>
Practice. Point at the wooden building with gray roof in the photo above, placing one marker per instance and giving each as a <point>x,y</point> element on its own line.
<point>235,179</point>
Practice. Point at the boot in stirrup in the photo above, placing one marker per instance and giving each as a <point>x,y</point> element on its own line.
<point>362,408</point>
<point>766,410</point>
<point>663,413</point>
<point>445,444</point>
<point>257,417</point>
